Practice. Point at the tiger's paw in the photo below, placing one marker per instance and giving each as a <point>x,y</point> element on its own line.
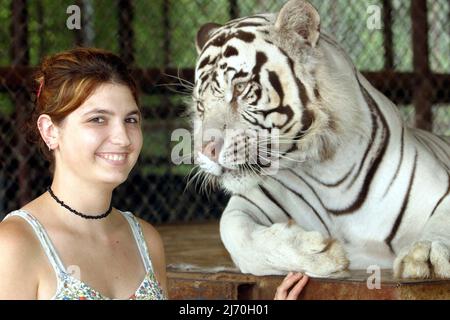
<point>306,242</point>
<point>331,262</point>
<point>312,242</point>
<point>319,256</point>
<point>424,259</point>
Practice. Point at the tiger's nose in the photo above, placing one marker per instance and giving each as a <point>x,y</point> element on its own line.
<point>212,149</point>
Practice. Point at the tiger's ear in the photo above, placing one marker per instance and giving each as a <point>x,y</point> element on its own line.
<point>204,34</point>
<point>301,17</point>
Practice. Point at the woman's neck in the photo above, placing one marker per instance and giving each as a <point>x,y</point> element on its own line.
<point>90,199</point>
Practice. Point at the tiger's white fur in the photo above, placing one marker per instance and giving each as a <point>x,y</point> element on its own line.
<point>355,174</point>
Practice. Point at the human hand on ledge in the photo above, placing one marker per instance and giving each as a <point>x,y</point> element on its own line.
<point>291,287</point>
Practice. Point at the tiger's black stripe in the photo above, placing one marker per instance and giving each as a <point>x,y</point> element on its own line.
<point>281,108</point>
<point>398,221</point>
<point>362,195</point>
<point>254,204</point>
<point>369,148</point>
<point>272,199</point>
<point>333,184</point>
<point>221,39</point>
<point>309,186</point>
<point>446,194</point>
<point>230,51</point>
<point>400,162</point>
<point>304,200</point>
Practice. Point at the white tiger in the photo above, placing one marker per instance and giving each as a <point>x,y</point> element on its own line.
<point>349,168</point>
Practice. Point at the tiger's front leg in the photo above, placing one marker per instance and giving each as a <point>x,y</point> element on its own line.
<point>279,248</point>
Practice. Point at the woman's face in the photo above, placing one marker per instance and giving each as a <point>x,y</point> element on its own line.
<point>101,140</point>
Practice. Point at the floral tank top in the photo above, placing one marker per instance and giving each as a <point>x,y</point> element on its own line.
<point>71,288</point>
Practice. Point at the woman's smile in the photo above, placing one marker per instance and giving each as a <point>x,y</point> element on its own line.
<point>115,159</point>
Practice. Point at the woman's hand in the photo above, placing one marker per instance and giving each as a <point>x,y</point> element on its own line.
<point>291,286</point>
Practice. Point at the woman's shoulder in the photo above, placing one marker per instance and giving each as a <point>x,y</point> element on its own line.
<point>151,234</point>
<point>19,249</point>
<point>17,238</point>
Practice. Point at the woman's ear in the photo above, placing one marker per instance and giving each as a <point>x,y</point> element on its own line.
<point>48,130</point>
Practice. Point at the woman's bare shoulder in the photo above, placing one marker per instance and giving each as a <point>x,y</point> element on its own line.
<point>15,234</point>
<point>153,239</point>
<point>150,232</point>
<point>19,252</point>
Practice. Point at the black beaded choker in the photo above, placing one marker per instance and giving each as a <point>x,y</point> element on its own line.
<point>49,189</point>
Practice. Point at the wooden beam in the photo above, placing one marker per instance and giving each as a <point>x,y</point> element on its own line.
<point>126,34</point>
<point>84,37</point>
<point>423,90</point>
<point>387,35</point>
<point>20,56</point>
<point>233,9</point>
<point>20,53</point>
<point>167,32</point>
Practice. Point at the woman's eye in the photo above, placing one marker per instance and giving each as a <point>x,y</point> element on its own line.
<point>132,120</point>
<point>97,120</point>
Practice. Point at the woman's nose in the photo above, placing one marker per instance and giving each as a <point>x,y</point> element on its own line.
<point>212,149</point>
<point>121,136</point>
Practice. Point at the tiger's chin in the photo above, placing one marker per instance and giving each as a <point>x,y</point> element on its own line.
<point>230,180</point>
<point>233,181</point>
<point>238,182</point>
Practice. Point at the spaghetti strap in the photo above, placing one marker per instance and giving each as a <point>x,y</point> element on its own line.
<point>45,241</point>
<point>140,240</point>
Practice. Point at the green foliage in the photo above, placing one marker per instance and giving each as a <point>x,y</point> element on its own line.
<point>149,33</point>
<point>48,33</point>
<point>5,37</point>
<point>6,106</point>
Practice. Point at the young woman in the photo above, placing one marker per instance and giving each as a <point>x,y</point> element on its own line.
<point>88,119</point>
<point>69,243</point>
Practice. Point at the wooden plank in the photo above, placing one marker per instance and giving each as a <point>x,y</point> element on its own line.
<point>233,9</point>
<point>20,53</point>
<point>235,286</point>
<point>84,37</point>
<point>387,35</point>
<point>423,91</point>
<point>126,34</point>
<point>199,267</point>
<point>167,33</point>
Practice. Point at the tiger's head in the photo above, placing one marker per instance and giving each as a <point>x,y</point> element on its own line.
<point>258,102</point>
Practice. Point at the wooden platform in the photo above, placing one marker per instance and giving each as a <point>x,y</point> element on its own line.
<point>199,267</point>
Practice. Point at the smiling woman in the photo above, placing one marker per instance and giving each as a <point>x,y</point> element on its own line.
<point>88,125</point>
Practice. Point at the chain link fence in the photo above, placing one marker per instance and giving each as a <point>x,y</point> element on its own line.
<point>402,46</point>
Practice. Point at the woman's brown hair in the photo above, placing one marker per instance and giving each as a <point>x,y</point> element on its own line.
<point>65,80</point>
